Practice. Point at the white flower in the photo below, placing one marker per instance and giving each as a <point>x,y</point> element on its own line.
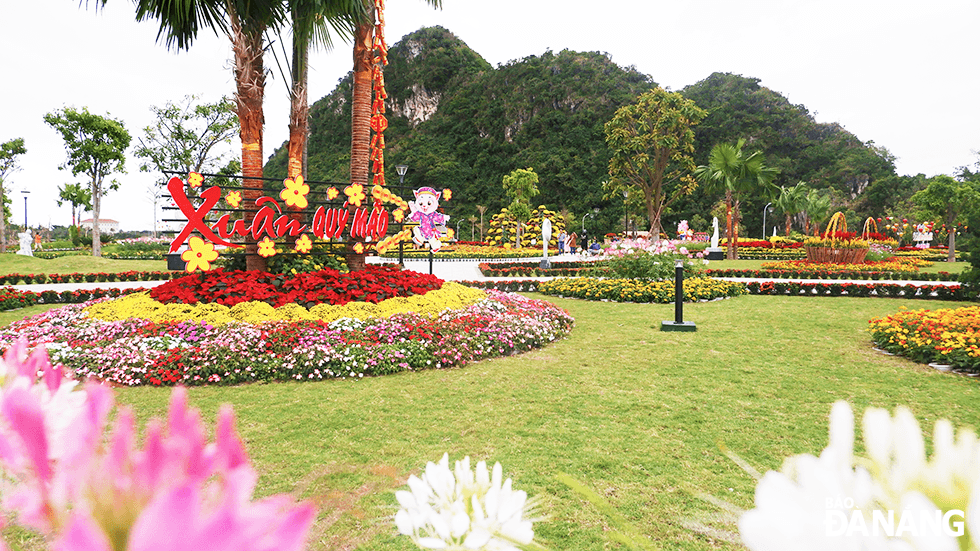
<point>884,502</point>
<point>461,509</point>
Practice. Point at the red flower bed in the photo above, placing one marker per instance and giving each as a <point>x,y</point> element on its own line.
<point>373,284</point>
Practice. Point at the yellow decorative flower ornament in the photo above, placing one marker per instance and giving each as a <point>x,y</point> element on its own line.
<point>295,193</point>
<point>267,248</point>
<point>234,198</point>
<point>355,194</point>
<point>199,255</point>
<point>304,244</point>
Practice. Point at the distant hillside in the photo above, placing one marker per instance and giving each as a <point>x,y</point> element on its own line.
<point>457,122</point>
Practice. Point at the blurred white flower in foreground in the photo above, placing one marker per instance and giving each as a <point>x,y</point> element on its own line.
<point>896,499</point>
<point>459,509</point>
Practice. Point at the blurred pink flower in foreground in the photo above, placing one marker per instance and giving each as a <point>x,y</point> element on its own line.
<point>176,492</point>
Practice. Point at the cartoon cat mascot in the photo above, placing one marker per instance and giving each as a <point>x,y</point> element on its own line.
<point>431,223</point>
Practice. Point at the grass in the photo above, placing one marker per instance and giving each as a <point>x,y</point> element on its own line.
<point>633,413</point>
<point>19,264</point>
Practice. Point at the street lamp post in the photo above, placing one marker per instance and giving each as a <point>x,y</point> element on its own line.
<point>764,211</point>
<point>25,192</point>
<point>401,170</point>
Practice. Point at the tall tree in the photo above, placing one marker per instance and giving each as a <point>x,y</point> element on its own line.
<point>245,22</point>
<point>9,151</point>
<point>521,185</point>
<point>76,196</point>
<point>186,135</point>
<point>652,145</point>
<point>792,201</point>
<point>96,147</point>
<point>738,174</point>
<point>949,200</point>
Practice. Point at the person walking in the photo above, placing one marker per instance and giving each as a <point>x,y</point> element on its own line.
<point>562,238</point>
<point>572,242</point>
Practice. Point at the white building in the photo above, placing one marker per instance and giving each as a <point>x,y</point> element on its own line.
<point>106,225</point>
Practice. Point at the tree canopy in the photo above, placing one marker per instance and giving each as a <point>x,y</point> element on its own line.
<point>652,144</point>
<point>950,201</point>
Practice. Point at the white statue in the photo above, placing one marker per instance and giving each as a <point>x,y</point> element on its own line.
<point>714,236</point>
<point>25,243</point>
<point>546,234</point>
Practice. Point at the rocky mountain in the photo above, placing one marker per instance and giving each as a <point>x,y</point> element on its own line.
<point>460,123</point>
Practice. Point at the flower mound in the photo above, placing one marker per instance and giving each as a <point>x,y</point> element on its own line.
<point>142,352</point>
<point>948,336</point>
<point>457,509</point>
<point>896,498</point>
<point>373,284</point>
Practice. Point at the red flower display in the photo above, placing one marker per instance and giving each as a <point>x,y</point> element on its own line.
<point>373,284</point>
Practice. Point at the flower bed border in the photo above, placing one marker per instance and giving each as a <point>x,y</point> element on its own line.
<point>880,290</point>
<point>77,277</point>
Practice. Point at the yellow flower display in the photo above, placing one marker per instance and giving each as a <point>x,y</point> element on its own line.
<point>199,255</point>
<point>452,296</point>
<point>447,194</point>
<point>267,248</point>
<point>358,248</point>
<point>234,198</point>
<point>332,193</point>
<point>399,215</point>
<point>304,244</point>
<point>355,194</point>
<point>295,192</point>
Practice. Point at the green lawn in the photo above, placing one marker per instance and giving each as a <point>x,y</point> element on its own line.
<point>19,264</point>
<point>632,412</point>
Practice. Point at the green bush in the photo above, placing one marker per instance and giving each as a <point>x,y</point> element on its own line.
<point>644,265</point>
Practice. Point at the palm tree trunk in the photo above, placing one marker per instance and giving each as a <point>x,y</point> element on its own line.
<point>298,113</point>
<point>250,78</point>
<point>736,216</point>
<point>788,222</point>
<point>729,252</point>
<point>360,153</point>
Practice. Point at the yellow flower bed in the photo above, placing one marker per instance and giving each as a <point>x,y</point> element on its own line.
<point>140,305</point>
<point>632,290</point>
<point>948,336</point>
<point>911,265</point>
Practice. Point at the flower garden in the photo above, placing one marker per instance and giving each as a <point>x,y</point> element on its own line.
<point>217,331</point>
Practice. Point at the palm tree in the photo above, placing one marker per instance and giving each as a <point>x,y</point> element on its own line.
<point>77,196</point>
<point>310,22</point>
<point>730,169</point>
<point>361,104</point>
<point>792,200</point>
<point>244,21</point>
<point>816,206</point>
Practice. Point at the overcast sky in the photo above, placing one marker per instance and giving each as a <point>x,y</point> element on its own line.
<point>901,73</point>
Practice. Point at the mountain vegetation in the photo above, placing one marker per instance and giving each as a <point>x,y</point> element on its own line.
<point>460,123</point>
